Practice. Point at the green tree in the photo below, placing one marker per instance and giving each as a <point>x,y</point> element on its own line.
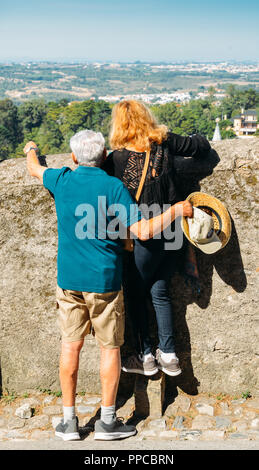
<point>75,118</point>
<point>49,137</point>
<point>211,91</point>
<point>249,98</point>
<point>5,143</point>
<point>168,114</point>
<point>101,118</point>
<point>226,129</point>
<point>84,115</point>
<point>10,131</point>
<point>31,114</point>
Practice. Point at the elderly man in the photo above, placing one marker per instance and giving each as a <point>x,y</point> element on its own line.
<point>89,266</point>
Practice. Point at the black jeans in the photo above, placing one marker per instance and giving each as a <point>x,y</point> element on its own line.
<point>148,272</point>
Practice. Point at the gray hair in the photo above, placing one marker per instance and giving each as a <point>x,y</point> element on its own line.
<point>88,147</point>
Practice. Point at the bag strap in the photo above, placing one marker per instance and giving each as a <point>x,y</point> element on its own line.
<point>143,176</point>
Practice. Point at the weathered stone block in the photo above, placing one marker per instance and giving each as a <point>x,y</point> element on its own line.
<point>24,411</point>
<point>148,434</point>
<point>169,435</point>
<point>55,421</point>
<point>37,422</point>
<point>183,402</point>
<point>253,403</point>
<point>204,409</point>
<point>82,409</point>
<point>225,409</point>
<point>2,422</point>
<point>238,435</point>
<point>190,435</point>
<point>149,395</point>
<point>211,435</point>
<point>172,410</point>
<point>33,402</point>
<point>126,408</point>
<point>93,400</point>
<point>48,400</point>
<point>238,411</point>
<point>52,410</point>
<point>240,425</point>
<point>255,424</point>
<point>159,424</point>
<point>223,422</point>
<point>16,423</point>
<point>41,435</point>
<point>178,422</point>
<point>203,422</point>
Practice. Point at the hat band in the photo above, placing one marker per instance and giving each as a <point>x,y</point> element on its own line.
<point>217,216</point>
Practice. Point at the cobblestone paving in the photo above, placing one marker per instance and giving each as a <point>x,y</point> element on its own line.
<point>201,417</point>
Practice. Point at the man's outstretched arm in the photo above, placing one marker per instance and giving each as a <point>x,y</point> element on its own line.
<point>145,229</point>
<point>33,164</point>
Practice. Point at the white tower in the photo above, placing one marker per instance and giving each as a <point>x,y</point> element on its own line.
<point>217,135</point>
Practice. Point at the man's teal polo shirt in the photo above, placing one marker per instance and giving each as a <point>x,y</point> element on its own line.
<point>89,259</point>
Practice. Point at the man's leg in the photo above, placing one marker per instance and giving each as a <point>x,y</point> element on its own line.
<point>110,368</point>
<point>108,427</point>
<point>68,429</point>
<point>109,331</point>
<point>68,369</point>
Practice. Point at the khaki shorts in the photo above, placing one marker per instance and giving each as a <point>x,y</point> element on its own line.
<point>81,313</point>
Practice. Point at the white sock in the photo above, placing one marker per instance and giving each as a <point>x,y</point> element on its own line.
<point>145,357</point>
<point>167,357</point>
<point>108,414</point>
<point>69,413</point>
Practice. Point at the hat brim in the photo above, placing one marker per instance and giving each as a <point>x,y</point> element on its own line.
<point>211,246</point>
<point>221,218</point>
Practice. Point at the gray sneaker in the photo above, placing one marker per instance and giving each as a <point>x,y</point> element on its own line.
<point>134,365</point>
<point>116,430</point>
<point>68,431</point>
<point>170,368</point>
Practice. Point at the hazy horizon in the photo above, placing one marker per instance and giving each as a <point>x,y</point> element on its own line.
<point>107,61</point>
<point>116,31</point>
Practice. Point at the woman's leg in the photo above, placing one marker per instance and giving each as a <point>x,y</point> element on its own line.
<point>150,270</point>
<point>166,358</point>
<point>147,257</point>
<point>164,315</point>
<point>162,301</point>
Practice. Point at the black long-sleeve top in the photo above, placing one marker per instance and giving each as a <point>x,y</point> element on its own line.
<point>160,184</point>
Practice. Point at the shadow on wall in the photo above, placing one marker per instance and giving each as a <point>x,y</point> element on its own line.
<point>1,383</point>
<point>188,176</point>
<point>232,273</point>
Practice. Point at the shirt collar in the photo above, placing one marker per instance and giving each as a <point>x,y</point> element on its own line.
<point>90,170</point>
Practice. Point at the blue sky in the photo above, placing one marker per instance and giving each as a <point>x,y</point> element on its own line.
<point>121,30</point>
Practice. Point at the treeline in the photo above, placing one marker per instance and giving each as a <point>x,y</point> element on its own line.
<point>52,124</point>
<point>49,124</point>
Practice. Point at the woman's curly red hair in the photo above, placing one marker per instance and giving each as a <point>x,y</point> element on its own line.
<point>134,125</point>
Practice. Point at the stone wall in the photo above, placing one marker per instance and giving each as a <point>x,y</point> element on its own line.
<point>216,332</point>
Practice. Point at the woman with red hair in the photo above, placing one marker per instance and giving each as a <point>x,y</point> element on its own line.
<point>148,270</point>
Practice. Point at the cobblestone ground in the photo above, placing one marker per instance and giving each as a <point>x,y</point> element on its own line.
<point>201,417</point>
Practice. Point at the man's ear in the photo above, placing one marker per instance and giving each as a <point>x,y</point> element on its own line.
<point>74,158</point>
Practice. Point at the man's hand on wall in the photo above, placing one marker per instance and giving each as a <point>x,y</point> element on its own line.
<point>28,145</point>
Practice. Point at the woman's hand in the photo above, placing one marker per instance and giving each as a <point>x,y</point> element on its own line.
<point>187,209</point>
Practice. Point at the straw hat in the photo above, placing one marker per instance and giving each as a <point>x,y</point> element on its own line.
<point>221,223</point>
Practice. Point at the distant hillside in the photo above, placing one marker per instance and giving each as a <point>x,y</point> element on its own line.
<point>54,81</point>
